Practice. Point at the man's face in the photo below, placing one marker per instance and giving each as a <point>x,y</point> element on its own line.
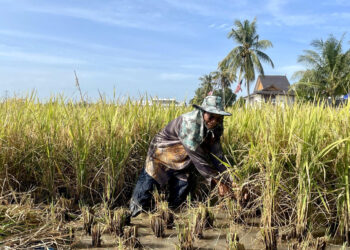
<point>211,120</point>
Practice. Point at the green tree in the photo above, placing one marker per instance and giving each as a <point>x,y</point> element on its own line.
<point>328,73</point>
<point>247,56</point>
<point>223,78</point>
<point>208,85</point>
<point>227,95</point>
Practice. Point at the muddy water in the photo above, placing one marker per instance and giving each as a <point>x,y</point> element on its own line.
<point>213,238</point>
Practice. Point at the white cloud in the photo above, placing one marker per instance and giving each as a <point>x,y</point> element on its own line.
<point>135,14</point>
<point>176,76</point>
<point>289,70</point>
<point>277,9</point>
<point>342,15</point>
<point>223,26</point>
<point>208,8</point>
<point>40,58</point>
<point>302,40</point>
<point>45,80</point>
<point>301,20</point>
<point>195,66</point>
<point>275,6</point>
<point>192,7</point>
<point>127,14</point>
<point>23,34</point>
<point>126,53</point>
<point>100,16</point>
<point>342,3</point>
<point>280,11</point>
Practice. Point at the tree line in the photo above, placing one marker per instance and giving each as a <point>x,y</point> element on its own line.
<point>328,70</point>
<point>327,74</point>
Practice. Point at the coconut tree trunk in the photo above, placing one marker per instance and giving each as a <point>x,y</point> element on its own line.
<point>247,83</point>
<point>223,96</point>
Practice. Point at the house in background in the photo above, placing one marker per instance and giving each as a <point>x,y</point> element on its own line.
<point>274,89</point>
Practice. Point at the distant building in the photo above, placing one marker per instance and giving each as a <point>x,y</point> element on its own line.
<point>166,101</point>
<point>274,89</point>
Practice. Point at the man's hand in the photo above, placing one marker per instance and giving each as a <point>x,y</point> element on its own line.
<point>223,189</point>
<point>240,194</point>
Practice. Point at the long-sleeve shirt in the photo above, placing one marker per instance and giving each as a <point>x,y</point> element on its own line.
<point>168,156</point>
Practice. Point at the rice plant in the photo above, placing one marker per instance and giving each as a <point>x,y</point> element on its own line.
<point>88,219</point>
<point>232,240</point>
<point>118,220</point>
<point>185,235</point>
<point>207,215</point>
<point>130,237</point>
<point>157,225</point>
<point>198,227</point>
<point>294,160</point>
<point>166,214</point>
<point>25,225</point>
<point>96,234</point>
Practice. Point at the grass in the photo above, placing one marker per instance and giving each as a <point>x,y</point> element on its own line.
<point>81,151</point>
<point>297,158</point>
<point>24,224</point>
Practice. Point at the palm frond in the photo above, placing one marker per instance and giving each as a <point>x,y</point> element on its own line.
<point>232,55</point>
<point>317,44</point>
<point>257,64</point>
<point>298,74</point>
<point>311,58</point>
<point>264,57</point>
<point>263,44</point>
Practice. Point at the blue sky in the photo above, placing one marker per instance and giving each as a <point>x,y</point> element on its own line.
<point>159,47</point>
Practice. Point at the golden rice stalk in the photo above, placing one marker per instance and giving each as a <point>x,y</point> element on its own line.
<point>157,225</point>
<point>319,243</point>
<point>130,237</point>
<point>185,237</point>
<point>234,210</point>
<point>232,240</point>
<point>207,216</point>
<point>198,226</point>
<point>166,214</point>
<point>119,220</point>
<point>158,198</point>
<point>270,238</point>
<point>88,219</point>
<point>62,210</point>
<point>71,233</point>
<point>96,234</point>
<point>120,243</point>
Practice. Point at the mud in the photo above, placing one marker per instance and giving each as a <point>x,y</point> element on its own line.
<point>214,238</point>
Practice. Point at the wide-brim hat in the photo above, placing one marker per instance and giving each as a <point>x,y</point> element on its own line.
<point>212,104</point>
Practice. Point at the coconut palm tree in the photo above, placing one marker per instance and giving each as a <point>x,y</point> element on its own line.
<point>329,69</point>
<point>207,85</point>
<point>247,56</point>
<point>223,78</point>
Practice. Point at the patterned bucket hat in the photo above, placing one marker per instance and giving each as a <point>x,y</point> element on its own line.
<point>212,104</point>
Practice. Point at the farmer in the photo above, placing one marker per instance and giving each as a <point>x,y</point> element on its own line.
<point>192,139</point>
